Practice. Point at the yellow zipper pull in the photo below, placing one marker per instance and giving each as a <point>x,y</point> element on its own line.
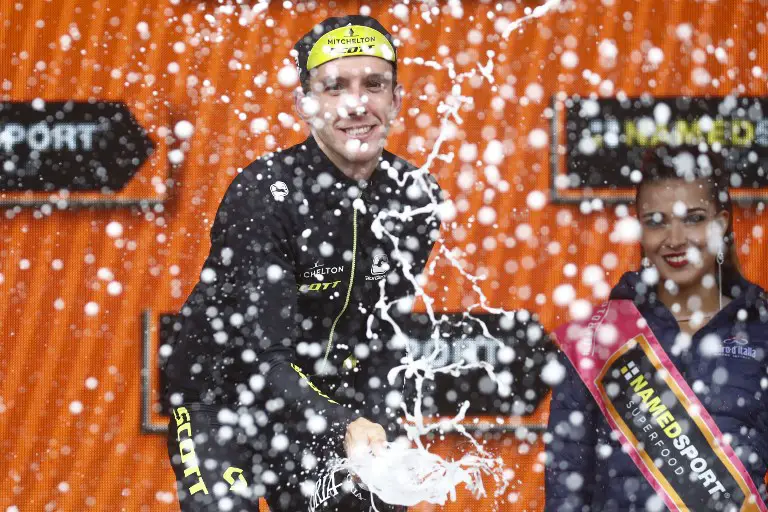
<point>350,363</point>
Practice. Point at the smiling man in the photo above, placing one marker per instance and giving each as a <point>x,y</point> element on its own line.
<point>271,376</point>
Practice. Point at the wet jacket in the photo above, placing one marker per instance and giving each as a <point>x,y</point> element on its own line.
<point>586,468</point>
<point>280,316</point>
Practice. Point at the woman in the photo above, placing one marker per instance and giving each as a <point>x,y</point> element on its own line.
<point>709,320</point>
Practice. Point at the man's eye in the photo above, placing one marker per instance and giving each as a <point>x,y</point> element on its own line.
<point>695,218</point>
<point>654,221</point>
<point>376,85</point>
<point>332,87</point>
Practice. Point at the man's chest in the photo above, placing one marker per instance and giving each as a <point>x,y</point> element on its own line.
<point>333,258</point>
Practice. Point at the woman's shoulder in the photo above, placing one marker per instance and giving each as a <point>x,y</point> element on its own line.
<point>629,285</point>
<point>748,294</point>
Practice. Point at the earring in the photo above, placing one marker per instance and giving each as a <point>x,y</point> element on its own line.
<point>724,243</point>
<point>720,260</point>
<point>645,262</point>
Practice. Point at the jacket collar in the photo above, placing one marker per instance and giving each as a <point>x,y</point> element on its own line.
<point>744,293</point>
<point>317,159</point>
<point>318,162</point>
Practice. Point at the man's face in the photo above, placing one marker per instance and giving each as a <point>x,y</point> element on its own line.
<point>350,107</point>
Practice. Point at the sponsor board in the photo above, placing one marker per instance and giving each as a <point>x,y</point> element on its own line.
<point>514,347</point>
<point>596,144</point>
<point>70,153</point>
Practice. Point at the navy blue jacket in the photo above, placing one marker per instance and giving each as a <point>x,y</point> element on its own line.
<point>586,468</point>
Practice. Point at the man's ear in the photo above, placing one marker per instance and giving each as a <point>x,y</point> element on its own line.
<point>397,100</point>
<point>299,97</point>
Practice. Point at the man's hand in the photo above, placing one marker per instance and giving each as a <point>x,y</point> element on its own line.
<point>363,436</point>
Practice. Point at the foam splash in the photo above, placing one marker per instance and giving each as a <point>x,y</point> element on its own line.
<point>421,475</point>
<point>537,12</point>
<point>429,477</point>
<point>407,476</point>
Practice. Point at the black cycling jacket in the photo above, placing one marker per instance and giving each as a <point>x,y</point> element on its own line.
<point>296,268</point>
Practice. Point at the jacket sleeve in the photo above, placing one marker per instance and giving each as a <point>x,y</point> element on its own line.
<point>244,308</point>
<point>571,443</point>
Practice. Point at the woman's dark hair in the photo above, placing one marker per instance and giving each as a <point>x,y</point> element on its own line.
<point>664,163</point>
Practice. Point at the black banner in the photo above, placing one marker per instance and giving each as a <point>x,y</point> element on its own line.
<point>515,347</point>
<point>677,449</point>
<point>74,146</point>
<point>604,139</point>
<point>516,350</point>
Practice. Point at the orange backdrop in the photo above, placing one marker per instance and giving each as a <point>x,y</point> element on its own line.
<point>75,432</point>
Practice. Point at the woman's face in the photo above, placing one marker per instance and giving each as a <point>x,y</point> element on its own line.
<point>681,229</point>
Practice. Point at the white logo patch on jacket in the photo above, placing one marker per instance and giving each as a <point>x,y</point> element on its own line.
<point>279,190</point>
<point>738,348</point>
<point>379,267</point>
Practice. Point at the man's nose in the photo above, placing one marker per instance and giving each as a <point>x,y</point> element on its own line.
<point>355,101</point>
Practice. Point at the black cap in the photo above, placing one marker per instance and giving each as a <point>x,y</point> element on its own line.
<point>305,44</point>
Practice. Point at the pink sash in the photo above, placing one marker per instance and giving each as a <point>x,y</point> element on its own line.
<point>660,421</point>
